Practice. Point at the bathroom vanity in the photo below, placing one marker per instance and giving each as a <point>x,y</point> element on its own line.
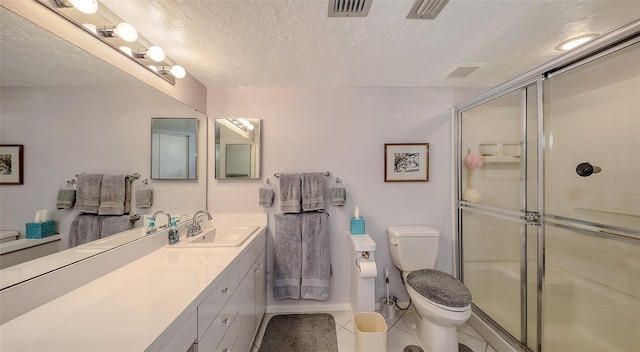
<point>175,298</point>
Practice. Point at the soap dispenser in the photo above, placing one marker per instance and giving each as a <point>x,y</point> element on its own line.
<point>152,226</point>
<point>174,232</point>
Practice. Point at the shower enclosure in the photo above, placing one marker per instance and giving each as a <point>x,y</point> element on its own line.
<point>549,224</point>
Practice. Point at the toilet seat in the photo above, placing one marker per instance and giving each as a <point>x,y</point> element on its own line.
<point>440,289</point>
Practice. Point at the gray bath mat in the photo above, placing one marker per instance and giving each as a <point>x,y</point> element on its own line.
<point>414,348</point>
<point>300,333</point>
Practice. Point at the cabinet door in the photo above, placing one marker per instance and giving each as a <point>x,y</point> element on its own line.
<point>261,287</point>
<point>245,322</point>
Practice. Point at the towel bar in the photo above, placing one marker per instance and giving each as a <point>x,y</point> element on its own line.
<point>327,214</point>
<point>134,176</point>
<point>326,173</point>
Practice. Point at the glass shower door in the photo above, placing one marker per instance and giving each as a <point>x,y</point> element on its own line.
<point>495,197</point>
<point>591,299</point>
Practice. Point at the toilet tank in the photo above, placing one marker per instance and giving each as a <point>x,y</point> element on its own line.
<point>413,247</point>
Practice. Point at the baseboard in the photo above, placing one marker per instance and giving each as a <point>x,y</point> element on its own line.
<point>496,341</point>
<point>308,308</point>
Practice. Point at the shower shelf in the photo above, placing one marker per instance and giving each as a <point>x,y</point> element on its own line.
<point>500,152</point>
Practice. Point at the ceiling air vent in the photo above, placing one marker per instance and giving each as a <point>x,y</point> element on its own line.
<point>426,9</point>
<point>463,70</point>
<point>349,8</point>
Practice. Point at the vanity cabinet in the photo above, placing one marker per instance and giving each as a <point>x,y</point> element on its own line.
<point>229,316</point>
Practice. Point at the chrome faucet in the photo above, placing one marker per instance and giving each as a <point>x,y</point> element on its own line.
<point>168,218</point>
<point>195,229</point>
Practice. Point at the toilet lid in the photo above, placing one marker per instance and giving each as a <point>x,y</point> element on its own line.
<point>439,287</point>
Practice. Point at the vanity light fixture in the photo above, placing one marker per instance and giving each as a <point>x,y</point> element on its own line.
<point>242,124</point>
<point>575,42</point>
<point>154,53</point>
<point>123,30</point>
<point>176,70</point>
<point>88,7</point>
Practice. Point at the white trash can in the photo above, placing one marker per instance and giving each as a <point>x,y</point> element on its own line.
<point>371,332</point>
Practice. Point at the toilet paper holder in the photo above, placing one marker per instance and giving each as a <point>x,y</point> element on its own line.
<point>365,255</point>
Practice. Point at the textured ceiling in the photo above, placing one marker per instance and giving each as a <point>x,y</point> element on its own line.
<point>277,43</point>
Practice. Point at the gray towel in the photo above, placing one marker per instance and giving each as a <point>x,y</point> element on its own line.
<point>144,197</point>
<point>290,193</point>
<point>88,193</point>
<point>266,195</point>
<point>313,189</point>
<point>287,252</point>
<point>112,195</point>
<point>338,193</point>
<point>66,198</point>
<point>84,228</point>
<point>316,257</point>
<point>110,225</point>
<point>127,195</point>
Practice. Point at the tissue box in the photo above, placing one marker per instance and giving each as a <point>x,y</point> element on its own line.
<point>357,226</point>
<point>41,229</point>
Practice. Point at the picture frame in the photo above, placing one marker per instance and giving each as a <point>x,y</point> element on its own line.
<point>11,164</point>
<point>406,162</point>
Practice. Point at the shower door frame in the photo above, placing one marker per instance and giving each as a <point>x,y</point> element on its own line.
<point>623,36</point>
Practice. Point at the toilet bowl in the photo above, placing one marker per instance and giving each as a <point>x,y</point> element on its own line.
<point>440,302</point>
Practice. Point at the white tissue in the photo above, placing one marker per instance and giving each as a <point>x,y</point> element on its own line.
<point>368,269</point>
<point>357,213</point>
<point>41,216</point>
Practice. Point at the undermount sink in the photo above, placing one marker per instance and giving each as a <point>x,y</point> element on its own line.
<point>219,236</point>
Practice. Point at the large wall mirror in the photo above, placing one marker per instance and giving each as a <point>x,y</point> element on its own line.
<point>237,148</point>
<point>174,146</point>
<point>75,113</point>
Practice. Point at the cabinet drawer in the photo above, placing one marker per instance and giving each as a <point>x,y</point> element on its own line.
<point>217,329</point>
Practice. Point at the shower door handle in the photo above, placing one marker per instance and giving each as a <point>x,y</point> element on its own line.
<point>586,169</point>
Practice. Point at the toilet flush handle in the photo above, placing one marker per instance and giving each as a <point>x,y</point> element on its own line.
<point>393,241</point>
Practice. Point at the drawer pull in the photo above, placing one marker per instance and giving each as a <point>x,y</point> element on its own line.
<point>225,321</point>
<point>225,291</point>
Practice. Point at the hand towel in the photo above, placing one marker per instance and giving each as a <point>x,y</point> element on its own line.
<point>290,193</point>
<point>266,195</point>
<point>316,257</point>
<point>338,193</point>
<point>287,253</point>
<point>112,194</point>
<point>144,197</point>
<point>66,198</point>
<point>313,190</point>
<point>84,228</point>
<point>88,193</point>
<point>127,195</point>
<point>110,225</point>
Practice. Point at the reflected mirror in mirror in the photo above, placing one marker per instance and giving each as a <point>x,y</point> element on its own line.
<point>174,144</point>
<point>237,148</point>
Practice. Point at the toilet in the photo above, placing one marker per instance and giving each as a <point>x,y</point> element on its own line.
<point>440,301</point>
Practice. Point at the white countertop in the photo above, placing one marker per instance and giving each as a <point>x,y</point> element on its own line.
<point>125,310</point>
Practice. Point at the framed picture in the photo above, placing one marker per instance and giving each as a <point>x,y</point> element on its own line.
<point>11,164</point>
<point>406,162</point>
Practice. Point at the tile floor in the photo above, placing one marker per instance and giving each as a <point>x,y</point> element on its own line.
<point>399,334</point>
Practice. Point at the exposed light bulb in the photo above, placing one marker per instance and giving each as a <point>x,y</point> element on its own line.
<point>127,32</point>
<point>85,6</point>
<point>156,53</point>
<point>246,123</point>
<point>127,50</point>
<point>178,71</point>
<point>91,27</point>
<point>575,42</point>
<point>250,127</point>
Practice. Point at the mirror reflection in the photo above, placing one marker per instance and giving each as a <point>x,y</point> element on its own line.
<point>237,148</point>
<point>174,143</point>
<point>74,113</point>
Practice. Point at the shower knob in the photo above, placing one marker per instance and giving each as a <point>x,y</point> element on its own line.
<point>586,169</point>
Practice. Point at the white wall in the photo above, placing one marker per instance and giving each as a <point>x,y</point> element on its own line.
<point>344,131</point>
<point>66,131</point>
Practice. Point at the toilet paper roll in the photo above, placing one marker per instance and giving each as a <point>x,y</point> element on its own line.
<point>368,269</point>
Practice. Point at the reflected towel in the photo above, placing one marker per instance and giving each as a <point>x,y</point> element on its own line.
<point>88,193</point>
<point>112,195</point>
<point>110,225</point>
<point>313,189</point>
<point>127,195</point>
<point>84,228</point>
<point>144,197</point>
<point>338,193</point>
<point>287,252</point>
<point>66,198</point>
<point>266,195</point>
<point>290,193</point>
<point>316,257</point>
